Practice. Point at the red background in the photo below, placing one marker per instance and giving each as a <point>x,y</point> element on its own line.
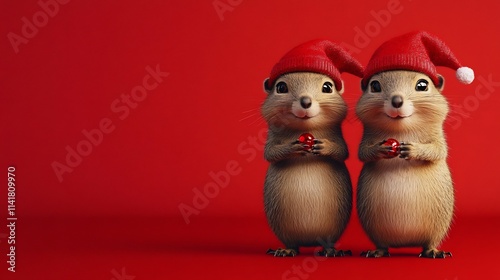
<point>119,208</point>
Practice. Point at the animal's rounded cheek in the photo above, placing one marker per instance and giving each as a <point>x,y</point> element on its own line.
<point>315,108</point>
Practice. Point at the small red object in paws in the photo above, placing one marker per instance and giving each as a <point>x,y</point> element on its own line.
<point>307,139</point>
<point>394,151</point>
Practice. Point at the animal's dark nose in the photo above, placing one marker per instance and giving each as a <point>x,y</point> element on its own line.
<point>397,101</point>
<point>305,102</point>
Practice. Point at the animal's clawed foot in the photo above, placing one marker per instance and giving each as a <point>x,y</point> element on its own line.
<point>331,252</point>
<point>376,253</point>
<point>434,254</point>
<point>283,252</point>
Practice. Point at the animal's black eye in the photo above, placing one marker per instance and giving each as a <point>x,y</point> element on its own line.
<point>375,86</point>
<point>422,85</point>
<point>327,87</point>
<point>281,87</point>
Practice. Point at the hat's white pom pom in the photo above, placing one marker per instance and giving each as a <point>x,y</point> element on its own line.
<point>465,75</point>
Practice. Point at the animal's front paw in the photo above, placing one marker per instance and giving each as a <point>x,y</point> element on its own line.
<point>384,151</point>
<point>321,147</point>
<point>296,147</point>
<point>408,150</point>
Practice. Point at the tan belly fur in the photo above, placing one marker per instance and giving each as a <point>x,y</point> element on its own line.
<point>403,203</point>
<point>307,200</point>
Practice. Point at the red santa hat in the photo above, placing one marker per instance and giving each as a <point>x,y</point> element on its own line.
<point>318,56</point>
<point>416,51</point>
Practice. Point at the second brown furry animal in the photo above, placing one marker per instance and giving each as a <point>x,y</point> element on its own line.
<point>405,201</point>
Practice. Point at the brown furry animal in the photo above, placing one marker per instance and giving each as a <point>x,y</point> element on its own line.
<point>307,194</point>
<point>407,200</point>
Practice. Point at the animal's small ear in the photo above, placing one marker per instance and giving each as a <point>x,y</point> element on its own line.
<point>342,87</point>
<point>440,86</point>
<point>267,87</point>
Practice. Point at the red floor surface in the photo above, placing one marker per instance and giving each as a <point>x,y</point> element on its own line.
<point>229,248</point>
